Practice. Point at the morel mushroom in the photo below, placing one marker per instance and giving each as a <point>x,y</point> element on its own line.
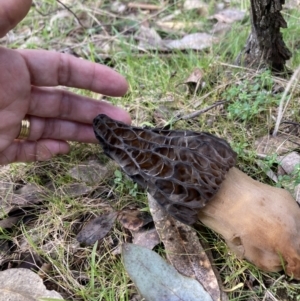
<point>192,176</point>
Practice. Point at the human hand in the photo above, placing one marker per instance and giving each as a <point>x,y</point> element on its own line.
<point>27,81</point>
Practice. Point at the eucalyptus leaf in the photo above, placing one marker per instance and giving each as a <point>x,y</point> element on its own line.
<point>24,285</point>
<point>184,250</point>
<point>157,280</point>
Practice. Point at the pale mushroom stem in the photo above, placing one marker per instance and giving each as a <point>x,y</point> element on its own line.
<point>258,222</point>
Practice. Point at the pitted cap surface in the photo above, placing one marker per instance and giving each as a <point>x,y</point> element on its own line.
<point>181,169</point>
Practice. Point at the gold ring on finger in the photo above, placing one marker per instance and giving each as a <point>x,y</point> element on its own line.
<point>25,129</point>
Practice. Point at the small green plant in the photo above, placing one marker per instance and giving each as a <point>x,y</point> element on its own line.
<point>291,180</point>
<point>125,185</point>
<point>250,97</point>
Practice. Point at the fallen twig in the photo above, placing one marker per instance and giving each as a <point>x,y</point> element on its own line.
<point>199,112</point>
<point>71,12</point>
<point>291,122</point>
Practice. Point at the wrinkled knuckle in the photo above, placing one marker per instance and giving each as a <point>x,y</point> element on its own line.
<point>47,129</point>
<point>65,105</point>
<point>64,70</point>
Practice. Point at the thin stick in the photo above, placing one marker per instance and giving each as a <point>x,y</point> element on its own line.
<point>70,11</point>
<point>281,109</point>
<point>63,5</point>
<point>199,112</point>
<point>291,122</point>
<point>200,100</point>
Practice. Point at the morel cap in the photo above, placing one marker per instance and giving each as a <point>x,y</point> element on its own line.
<point>181,169</point>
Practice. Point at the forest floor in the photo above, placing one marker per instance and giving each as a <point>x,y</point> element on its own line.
<point>178,61</point>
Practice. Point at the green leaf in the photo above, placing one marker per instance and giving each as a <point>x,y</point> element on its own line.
<point>118,174</point>
<point>157,280</point>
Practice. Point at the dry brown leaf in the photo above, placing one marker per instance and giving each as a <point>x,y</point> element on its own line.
<point>220,28</point>
<point>281,144</point>
<point>146,238</point>
<point>198,5</point>
<point>229,15</point>
<point>97,228</point>
<point>18,213</point>
<point>23,285</point>
<point>195,41</point>
<point>27,195</point>
<point>195,77</point>
<point>195,80</point>
<point>10,199</point>
<point>148,38</point>
<point>288,163</point>
<point>226,18</point>
<point>184,250</point>
<point>179,25</point>
<point>89,172</point>
<point>133,219</point>
<point>9,222</point>
<point>75,189</point>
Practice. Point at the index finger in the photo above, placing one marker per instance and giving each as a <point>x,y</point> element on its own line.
<point>49,68</point>
<point>11,13</point>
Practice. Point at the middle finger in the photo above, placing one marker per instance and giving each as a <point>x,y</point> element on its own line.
<point>62,104</point>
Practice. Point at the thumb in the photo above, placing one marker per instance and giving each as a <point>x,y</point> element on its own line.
<point>11,13</point>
